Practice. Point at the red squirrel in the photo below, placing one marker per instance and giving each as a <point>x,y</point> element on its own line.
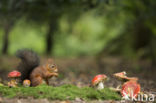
<point>31,69</point>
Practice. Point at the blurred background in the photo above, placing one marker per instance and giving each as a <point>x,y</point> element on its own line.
<point>85,37</point>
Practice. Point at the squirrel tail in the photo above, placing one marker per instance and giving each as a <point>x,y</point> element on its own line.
<point>29,60</point>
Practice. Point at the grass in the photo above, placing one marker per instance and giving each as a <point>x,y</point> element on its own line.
<point>64,92</point>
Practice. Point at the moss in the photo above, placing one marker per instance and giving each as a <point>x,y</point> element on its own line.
<point>64,92</point>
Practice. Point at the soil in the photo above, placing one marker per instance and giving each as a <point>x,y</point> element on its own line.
<point>31,100</point>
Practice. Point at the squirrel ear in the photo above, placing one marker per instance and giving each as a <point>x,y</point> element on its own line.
<point>50,60</point>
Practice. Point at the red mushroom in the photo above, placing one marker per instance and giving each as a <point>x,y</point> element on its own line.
<point>130,89</point>
<point>122,76</point>
<point>14,75</point>
<point>98,81</point>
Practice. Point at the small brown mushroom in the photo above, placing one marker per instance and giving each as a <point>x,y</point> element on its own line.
<point>98,81</point>
<point>26,83</point>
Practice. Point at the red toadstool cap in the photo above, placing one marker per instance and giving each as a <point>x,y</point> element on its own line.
<point>14,74</point>
<point>130,89</point>
<point>122,76</point>
<point>98,78</point>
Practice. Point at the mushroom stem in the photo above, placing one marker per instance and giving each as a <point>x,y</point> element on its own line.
<point>115,89</point>
<point>14,81</point>
<point>100,86</point>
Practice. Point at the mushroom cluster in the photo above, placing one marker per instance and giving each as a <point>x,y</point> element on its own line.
<point>98,81</point>
<point>14,75</point>
<point>130,87</point>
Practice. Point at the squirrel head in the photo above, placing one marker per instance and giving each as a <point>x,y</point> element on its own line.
<point>51,66</point>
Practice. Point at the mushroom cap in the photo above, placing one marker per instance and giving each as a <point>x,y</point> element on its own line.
<point>122,76</point>
<point>14,74</point>
<point>98,78</point>
<point>26,82</point>
<point>130,89</point>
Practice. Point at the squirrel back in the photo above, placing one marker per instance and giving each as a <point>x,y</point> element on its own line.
<point>29,61</point>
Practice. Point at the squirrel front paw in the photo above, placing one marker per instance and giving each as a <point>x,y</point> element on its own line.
<point>56,74</point>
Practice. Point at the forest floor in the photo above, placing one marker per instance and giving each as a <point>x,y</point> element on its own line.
<point>80,71</point>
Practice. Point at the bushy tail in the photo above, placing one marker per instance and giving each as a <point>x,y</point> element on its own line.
<point>29,60</point>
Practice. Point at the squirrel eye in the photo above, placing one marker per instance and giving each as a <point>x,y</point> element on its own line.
<point>52,66</point>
